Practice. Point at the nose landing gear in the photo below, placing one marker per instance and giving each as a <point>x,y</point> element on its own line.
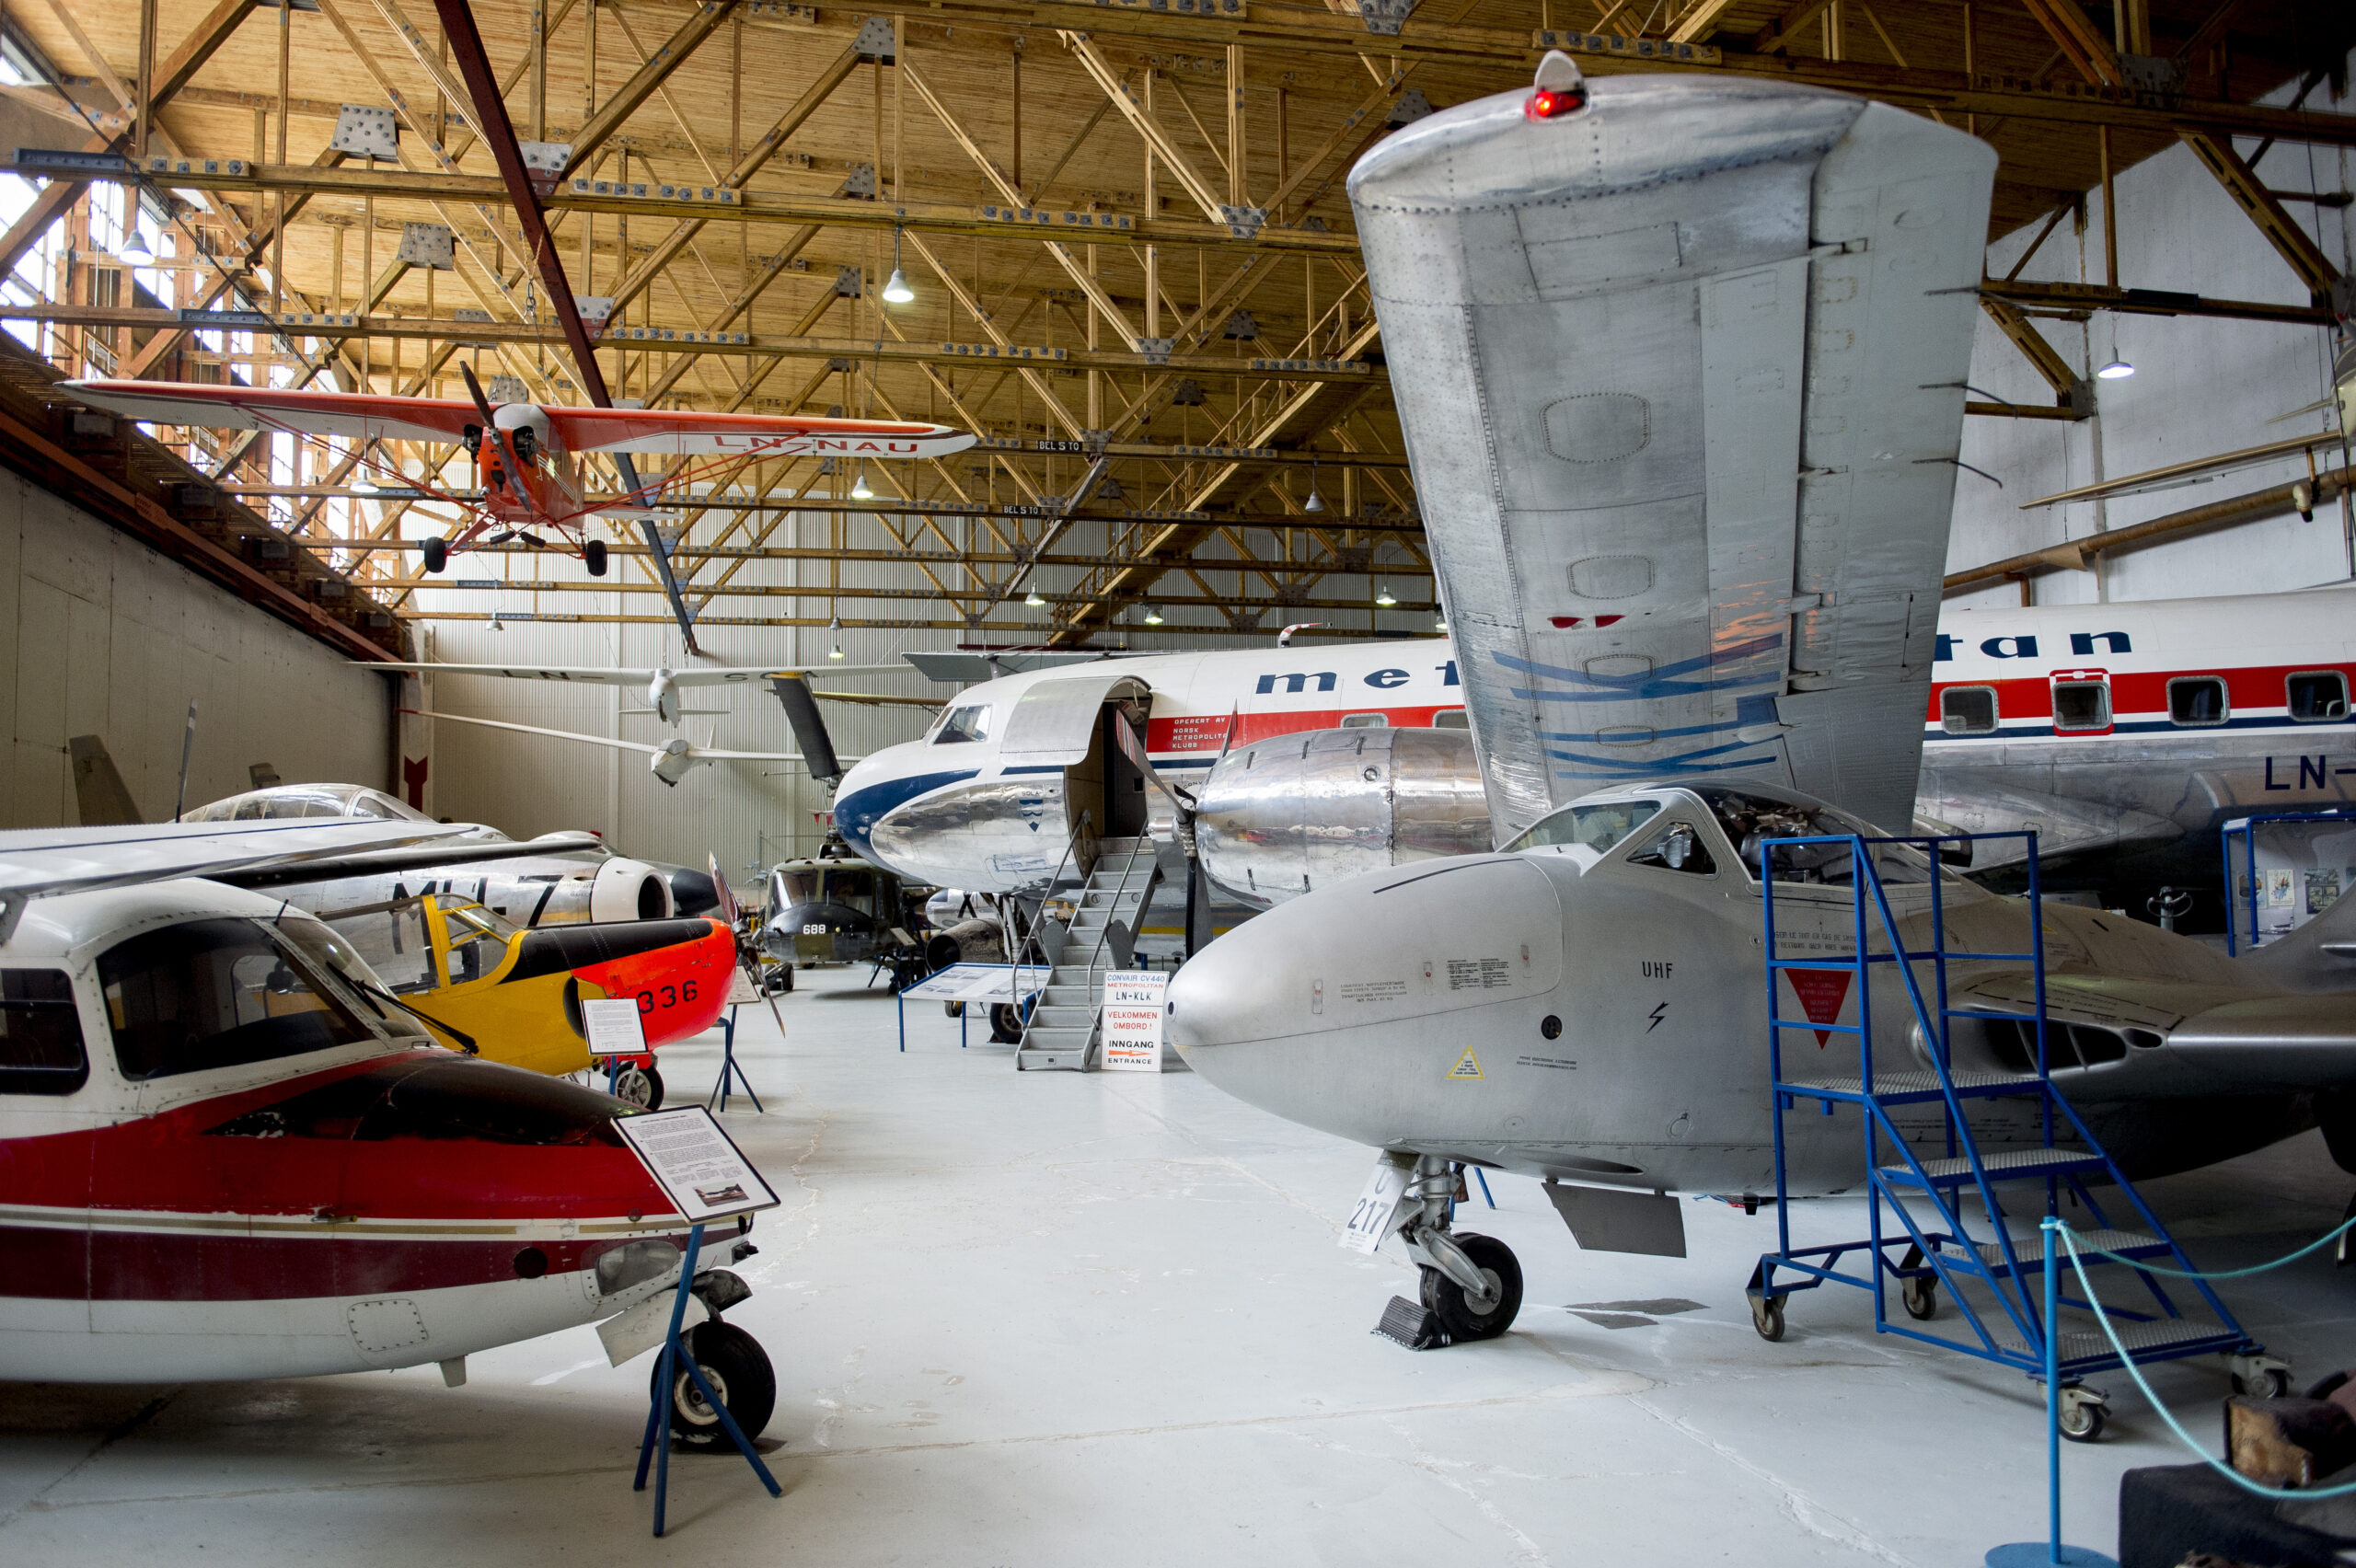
<point>1471,1284</point>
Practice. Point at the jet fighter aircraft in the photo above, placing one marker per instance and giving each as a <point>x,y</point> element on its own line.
<point>530,454</point>
<point>224,1154</point>
<point>1689,352</point>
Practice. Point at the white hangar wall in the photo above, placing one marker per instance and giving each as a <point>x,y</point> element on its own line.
<point>100,635</point>
<point>2201,386</point>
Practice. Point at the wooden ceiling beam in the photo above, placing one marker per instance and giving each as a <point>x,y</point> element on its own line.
<point>592,135</point>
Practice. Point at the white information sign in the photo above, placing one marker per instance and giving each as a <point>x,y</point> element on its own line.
<point>980,983</point>
<point>1133,1014</point>
<point>741,988</point>
<point>691,1159</point>
<point>1378,1206</point>
<point>613,1026</point>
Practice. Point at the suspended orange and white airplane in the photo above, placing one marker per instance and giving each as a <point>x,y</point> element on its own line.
<point>529,452</point>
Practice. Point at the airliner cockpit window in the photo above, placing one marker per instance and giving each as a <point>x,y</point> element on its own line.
<point>964,724</point>
<point>216,993</point>
<point>855,888</point>
<point>1598,826</point>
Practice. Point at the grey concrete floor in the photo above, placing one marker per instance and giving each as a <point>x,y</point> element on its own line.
<point>1049,1319</point>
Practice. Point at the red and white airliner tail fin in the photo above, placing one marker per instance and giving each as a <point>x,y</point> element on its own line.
<point>687,432</point>
<point>360,415</point>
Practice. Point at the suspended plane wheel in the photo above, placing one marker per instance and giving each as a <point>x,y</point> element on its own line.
<point>1005,1023</point>
<point>1920,1296</point>
<point>593,556</point>
<point>738,1369</point>
<point>641,1086</point>
<point>2083,1414</point>
<point>1448,1302</point>
<point>437,554</point>
<point>1767,1317</point>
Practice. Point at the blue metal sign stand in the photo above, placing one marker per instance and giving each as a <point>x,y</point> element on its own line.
<point>730,1066</point>
<point>675,1355</point>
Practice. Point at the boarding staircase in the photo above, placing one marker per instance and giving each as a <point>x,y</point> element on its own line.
<point>1064,1027</point>
<point>1938,1201</point>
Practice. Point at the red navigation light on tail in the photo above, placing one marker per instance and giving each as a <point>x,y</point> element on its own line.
<point>1560,88</point>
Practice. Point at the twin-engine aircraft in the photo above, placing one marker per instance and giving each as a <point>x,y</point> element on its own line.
<point>226,1152</point>
<point>1681,364</point>
<point>530,452</point>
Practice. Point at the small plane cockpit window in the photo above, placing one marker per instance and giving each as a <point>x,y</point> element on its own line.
<point>1598,826</point>
<point>2197,701</point>
<point>479,941</point>
<point>2317,697</point>
<point>41,1033</point>
<point>331,949</point>
<point>1969,710</point>
<point>1451,719</point>
<point>216,993</point>
<point>964,724</point>
<point>1677,848</point>
<point>1751,820</point>
<point>2081,705</point>
<point>390,940</point>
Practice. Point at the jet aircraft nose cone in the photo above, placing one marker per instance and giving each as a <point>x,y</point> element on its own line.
<point>1349,1008</point>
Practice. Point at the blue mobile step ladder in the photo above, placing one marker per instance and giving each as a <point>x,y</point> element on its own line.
<point>1922,1185</point>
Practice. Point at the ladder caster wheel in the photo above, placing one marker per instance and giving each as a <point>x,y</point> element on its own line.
<point>2084,1414</point>
<point>1921,1298</point>
<point>2260,1376</point>
<point>1767,1317</point>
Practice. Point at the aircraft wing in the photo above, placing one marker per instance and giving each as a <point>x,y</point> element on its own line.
<point>360,415</point>
<point>2198,471</point>
<point>42,862</point>
<point>416,859</point>
<point>695,675</point>
<point>1680,373</point>
<point>696,752</point>
<point>684,431</point>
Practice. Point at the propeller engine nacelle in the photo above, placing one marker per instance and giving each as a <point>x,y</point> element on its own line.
<point>1280,817</point>
<point>672,762</point>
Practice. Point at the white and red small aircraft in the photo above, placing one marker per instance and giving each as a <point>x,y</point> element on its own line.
<point>228,1151</point>
<point>531,470</point>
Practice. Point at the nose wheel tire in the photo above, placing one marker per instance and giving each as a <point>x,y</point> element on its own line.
<point>1767,1317</point>
<point>593,556</point>
<point>738,1369</point>
<point>1921,1298</point>
<point>1005,1023</point>
<point>641,1086</point>
<point>1457,1314</point>
<point>436,552</point>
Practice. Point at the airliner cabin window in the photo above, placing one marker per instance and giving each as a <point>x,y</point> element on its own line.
<point>41,1034</point>
<point>2317,695</point>
<point>2197,700</point>
<point>1365,721</point>
<point>1969,710</point>
<point>965,724</point>
<point>2081,705</point>
<point>1451,719</point>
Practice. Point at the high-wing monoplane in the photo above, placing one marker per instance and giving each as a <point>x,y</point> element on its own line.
<point>529,454</point>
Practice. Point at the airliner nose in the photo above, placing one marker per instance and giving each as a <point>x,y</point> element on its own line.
<point>1348,1008</point>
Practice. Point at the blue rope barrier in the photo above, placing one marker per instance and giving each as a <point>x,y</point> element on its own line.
<point>2146,1266</point>
<point>2069,1240</point>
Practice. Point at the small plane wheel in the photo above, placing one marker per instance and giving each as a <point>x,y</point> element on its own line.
<point>1005,1023</point>
<point>952,1009</point>
<point>593,556</point>
<point>1767,1317</point>
<point>1921,1298</point>
<point>2083,1414</point>
<point>641,1087</point>
<point>738,1369</point>
<point>437,554</point>
<point>1447,1301</point>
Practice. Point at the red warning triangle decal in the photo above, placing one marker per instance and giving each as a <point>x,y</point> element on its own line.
<point>1821,993</point>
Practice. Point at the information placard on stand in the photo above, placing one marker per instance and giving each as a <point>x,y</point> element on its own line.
<point>703,1173</point>
<point>1134,1007</point>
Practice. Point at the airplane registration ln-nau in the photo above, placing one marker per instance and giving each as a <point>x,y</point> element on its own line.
<point>227,1152</point>
<point>1681,364</point>
<point>530,452</point>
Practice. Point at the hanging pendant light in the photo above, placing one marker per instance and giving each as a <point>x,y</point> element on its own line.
<point>1152,616</point>
<point>1032,599</point>
<point>135,250</point>
<point>836,625</point>
<point>896,288</point>
<point>1315,502</point>
<point>2117,369</point>
<point>1383,595</point>
<point>859,491</point>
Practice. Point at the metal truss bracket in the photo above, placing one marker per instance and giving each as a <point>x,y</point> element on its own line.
<point>1383,17</point>
<point>1412,106</point>
<point>1242,222</point>
<point>507,390</point>
<point>544,163</point>
<point>1156,349</point>
<point>428,245</point>
<point>850,282</point>
<point>861,181</point>
<point>363,130</point>
<point>595,311</point>
<point>874,40</point>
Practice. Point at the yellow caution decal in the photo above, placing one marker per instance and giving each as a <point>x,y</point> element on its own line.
<point>1468,1066</point>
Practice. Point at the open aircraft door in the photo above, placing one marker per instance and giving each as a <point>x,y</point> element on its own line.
<point>1061,729</point>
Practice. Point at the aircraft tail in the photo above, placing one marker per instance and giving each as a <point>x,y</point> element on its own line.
<point>809,729</point>
<point>99,794</point>
<point>2318,956</point>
